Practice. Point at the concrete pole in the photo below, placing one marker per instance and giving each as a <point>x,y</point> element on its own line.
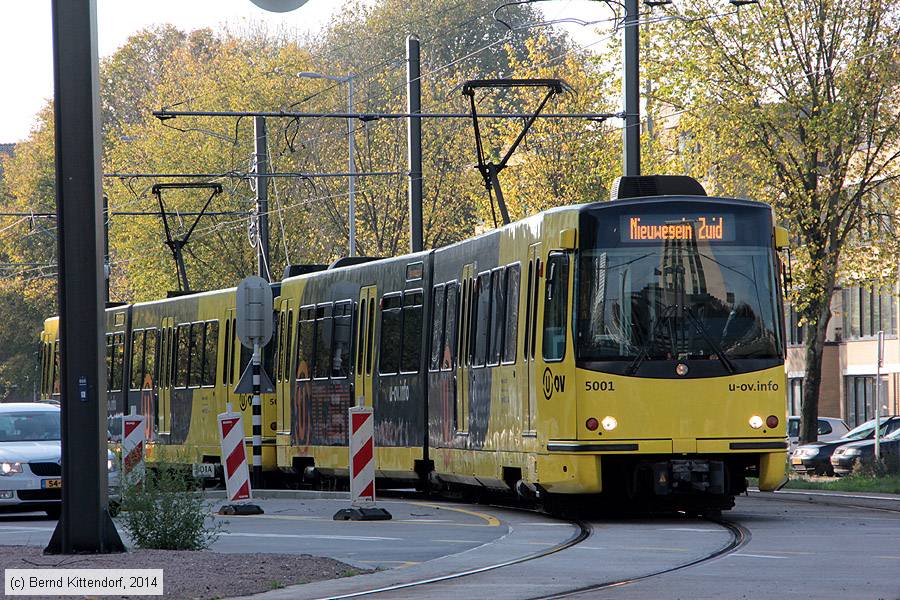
<point>264,265</point>
<point>414,136</point>
<point>84,524</point>
<point>351,144</point>
<point>631,136</point>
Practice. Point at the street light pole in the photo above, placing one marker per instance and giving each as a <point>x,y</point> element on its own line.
<point>351,150</point>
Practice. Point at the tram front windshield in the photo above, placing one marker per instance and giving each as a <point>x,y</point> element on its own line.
<point>677,281</point>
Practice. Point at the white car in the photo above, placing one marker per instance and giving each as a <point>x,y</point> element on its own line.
<point>830,429</point>
<point>30,471</point>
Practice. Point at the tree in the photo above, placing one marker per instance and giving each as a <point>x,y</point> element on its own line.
<point>796,103</point>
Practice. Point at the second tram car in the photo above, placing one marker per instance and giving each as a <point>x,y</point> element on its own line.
<point>631,348</point>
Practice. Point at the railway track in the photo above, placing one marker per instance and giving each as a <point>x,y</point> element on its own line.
<point>739,537</point>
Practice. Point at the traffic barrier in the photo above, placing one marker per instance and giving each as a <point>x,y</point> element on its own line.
<point>234,455</point>
<point>362,469</point>
<point>133,439</point>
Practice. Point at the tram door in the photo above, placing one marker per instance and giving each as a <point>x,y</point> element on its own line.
<point>465,340</point>
<point>163,411</point>
<point>365,346</point>
<point>533,294</point>
<point>231,373</point>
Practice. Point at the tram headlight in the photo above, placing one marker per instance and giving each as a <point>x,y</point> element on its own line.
<point>609,423</point>
<point>756,422</point>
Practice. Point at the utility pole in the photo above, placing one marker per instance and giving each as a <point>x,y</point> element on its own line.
<point>261,169</point>
<point>414,136</point>
<point>631,136</point>
<point>84,524</point>
<point>107,268</point>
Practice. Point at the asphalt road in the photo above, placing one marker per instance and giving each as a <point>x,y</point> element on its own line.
<point>797,549</point>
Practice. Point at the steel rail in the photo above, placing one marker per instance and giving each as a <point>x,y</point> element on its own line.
<point>740,536</point>
<point>584,532</point>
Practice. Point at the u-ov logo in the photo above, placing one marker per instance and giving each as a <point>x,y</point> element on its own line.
<point>553,383</point>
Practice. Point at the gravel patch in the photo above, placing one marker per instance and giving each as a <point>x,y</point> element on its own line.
<point>191,575</point>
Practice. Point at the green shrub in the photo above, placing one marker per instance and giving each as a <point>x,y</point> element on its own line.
<point>872,468</point>
<point>167,511</point>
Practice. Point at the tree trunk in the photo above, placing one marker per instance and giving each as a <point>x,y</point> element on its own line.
<point>814,343</point>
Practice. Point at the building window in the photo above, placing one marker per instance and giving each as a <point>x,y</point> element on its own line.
<point>795,395</point>
<point>795,330</point>
<point>866,312</point>
<point>859,398</point>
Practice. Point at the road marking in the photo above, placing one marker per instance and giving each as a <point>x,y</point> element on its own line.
<point>662,548</point>
<point>889,557</point>
<point>695,529</point>
<point>836,495</point>
<point>491,520</point>
<point>423,521</point>
<point>12,528</point>
<point>756,555</point>
<point>358,538</point>
<point>460,541</point>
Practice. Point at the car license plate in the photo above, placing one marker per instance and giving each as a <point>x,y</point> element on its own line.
<point>796,461</point>
<point>51,484</point>
<point>204,470</point>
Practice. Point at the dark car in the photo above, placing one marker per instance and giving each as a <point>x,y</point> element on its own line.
<point>816,457</point>
<point>845,457</point>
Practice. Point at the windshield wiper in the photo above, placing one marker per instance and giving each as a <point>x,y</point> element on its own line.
<point>645,347</point>
<point>720,354</point>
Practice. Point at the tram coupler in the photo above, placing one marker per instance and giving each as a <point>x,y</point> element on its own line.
<point>688,476</point>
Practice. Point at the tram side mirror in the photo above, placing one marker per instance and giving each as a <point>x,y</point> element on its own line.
<point>782,238</point>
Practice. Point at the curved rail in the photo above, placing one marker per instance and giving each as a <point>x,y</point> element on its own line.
<point>584,532</point>
<point>740,537</point>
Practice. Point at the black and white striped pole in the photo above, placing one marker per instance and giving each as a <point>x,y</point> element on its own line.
<point>257,420</point>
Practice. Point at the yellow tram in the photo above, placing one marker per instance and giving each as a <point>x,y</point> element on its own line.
<point>632,349</point>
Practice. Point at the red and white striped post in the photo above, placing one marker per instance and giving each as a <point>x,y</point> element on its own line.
<point>234,455</point>
<point>133,438</point>
<point>362,469</point>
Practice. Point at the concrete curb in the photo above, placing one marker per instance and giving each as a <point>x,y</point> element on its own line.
<point>284,495</point>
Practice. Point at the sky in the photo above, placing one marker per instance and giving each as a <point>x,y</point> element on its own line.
<point>26,38</point>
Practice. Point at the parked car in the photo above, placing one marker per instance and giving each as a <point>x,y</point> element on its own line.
<point>844,458</point>
<point>816,457</point>
<point>30,456</point>
<point>830,429</point>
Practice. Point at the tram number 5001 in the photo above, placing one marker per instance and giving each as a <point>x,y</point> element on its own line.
<point>599,386</point>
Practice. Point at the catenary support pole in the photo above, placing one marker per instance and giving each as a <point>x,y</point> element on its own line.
<point>879,363</point>
<point>414,135</point>
<point>257,421</point>
<point>351,145</point>
<point>84,524</point>
<point>261,170</point>
<point>631,134</point>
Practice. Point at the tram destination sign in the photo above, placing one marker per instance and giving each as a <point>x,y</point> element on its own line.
<point>654,227</point>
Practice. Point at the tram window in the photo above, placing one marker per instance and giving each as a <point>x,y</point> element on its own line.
<point>555,304</point>
<point>481,322</point>
<point>340,357</point>
<point>118,360</point>
<point>278,341</point>
<point>210,348</point>
<point>360,339</point>
<point>54,378</point>
<point>370,337</point>
<point>391,325</point>
<point>498,310</point>
<point>448,354</point>
<point>528,309</point>
<point>182,355</point>
<point>322,366</point>
<point>534,304</point>
<point>151,343</point>
<point>412,332</point>
<point>197,347</point>
<point>137,359</point>
<point>227,354</point>
<point>235,346</point>
<point>512,314</point>
<point>437,327</point>
<point>306,331</point>
<point>288,341</point>
<point>268,351</point>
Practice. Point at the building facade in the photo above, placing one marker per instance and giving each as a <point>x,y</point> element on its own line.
<point>850,357</point>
